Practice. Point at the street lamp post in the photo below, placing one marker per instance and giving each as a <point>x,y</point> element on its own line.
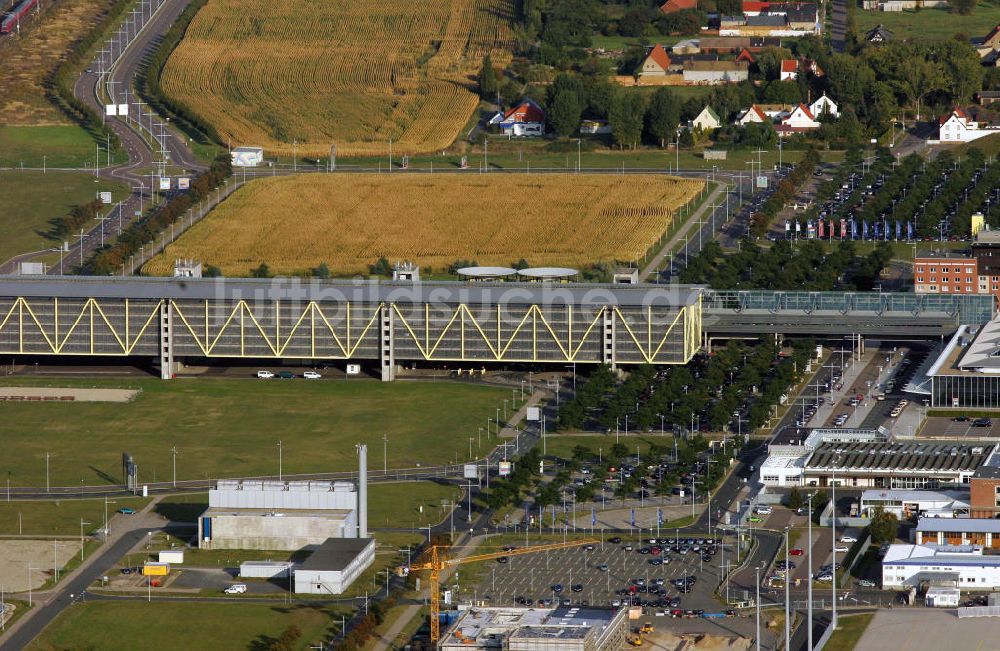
<point>788,577</point>
<point>809,562</point>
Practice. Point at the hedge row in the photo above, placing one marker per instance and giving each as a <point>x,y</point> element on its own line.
<point>149,81</point>
<point>109,259</point>
<point>59,85</point>
<point>784,193</point>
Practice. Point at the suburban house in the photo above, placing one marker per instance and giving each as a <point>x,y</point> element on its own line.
<point>673,6</point>
<point>772,19</point>
<point>799,120</point>
<point>656,63</point>
<point>525,119</point>
<point>988,97</point>
<point>824,105</point>
<point>878,34</point>
<point>716,72</point>
<point>988,48</point>
<point>752,114</point>
<point>958,126</point>
<point>789,70</point>
<point>707,120</point>
<point>733,44</point>
<point>687,46</point>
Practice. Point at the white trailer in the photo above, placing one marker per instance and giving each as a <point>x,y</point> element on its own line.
<point>171,556</point>
<point>247,156</point>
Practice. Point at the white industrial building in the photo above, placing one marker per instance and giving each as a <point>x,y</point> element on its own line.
<point>277,515</point>
<point>334,565</point>
<point>964,567</point>
<point>328,518</point>
<point>909,504</point>
<point>538,629</point>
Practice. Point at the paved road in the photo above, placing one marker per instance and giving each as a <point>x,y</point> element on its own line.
<point>838,27</point>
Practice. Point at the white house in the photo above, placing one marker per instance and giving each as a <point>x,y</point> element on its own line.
<point>525,119</point>
<point>752,114</point>
<point>800,119</point>
<point>789,69</point>
<point>957,126</point>
<point>964,567</point>
<point>707,120</point>
<point>824,105</point>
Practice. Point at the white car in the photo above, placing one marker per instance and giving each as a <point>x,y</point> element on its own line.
<point>311,375</point>
<point>236,588</point>
<point>848,539</point>
<point>265,375</point>
<point>840,548</point>
<point>866,583</point>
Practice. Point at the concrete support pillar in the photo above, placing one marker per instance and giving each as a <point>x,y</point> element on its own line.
<point>608,339</point>
<point>166,341</point>
<point>387,358</point>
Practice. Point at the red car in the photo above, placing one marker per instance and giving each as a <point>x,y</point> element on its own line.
<point>795,552</point>
<point>676,612</point>
<point>655,551</point>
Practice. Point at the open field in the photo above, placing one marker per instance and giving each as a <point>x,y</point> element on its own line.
<point>432,220</point>
<point>29,59</point>
<point>33,199</point>
<point>59,517</point>
<point>113,626</point>
<point>356,74</point>
<point>932,23</point>
<point>227,428</point>
<point>58,145</point>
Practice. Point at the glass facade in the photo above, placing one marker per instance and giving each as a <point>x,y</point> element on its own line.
<point>966,391</point>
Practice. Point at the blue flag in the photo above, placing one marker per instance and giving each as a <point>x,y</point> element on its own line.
<point>659,516</point>
<point>593,517</point>
<point>864,230</point>
<point>909,230</point>
<point>899,230</point>
<point>633,516</point>
<point>854,229</point>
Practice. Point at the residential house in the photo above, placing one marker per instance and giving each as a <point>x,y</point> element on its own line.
<point>752,114</point>
<point>789,70</point>
<point>707,120</point>
<point>673,6</point>
<point>824,105</point>
<point>724,45</point>
<point>524,119</point>
<point>804,18</point>
<point>810,66</point>
<point>878,34</point>
<point>958,126</point>
<point>716,72</point>
<point>988,97</point>
<point>902,5</point>
<point>656,63</point>
<point>799,120</point>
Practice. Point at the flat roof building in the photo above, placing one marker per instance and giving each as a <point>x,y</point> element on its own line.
<point>334,565</point>
<point>917,566</point>
<point>909,504</point>
<point>538,629</point>
<point>984,532</point>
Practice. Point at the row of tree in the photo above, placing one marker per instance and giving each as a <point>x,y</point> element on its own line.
<point>786,190</point>
<point>807,266</point>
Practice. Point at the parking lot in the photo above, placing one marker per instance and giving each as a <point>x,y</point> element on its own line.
<point>950,428</point>
<point>580,576</point>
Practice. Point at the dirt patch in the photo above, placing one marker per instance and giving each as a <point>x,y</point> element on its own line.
<point>17,556</point>
<point>56,394</point>
<point>697,641</point>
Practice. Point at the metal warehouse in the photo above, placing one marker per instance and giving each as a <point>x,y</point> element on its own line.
<point>334,565</point>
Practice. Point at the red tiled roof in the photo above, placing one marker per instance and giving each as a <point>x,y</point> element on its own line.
<point>958,110</point>
<point>753,5</point>
<point>671,6</point>
<point>660,56</point>
<point>745,55</point>
<point>760,113</point>
<point>789,65</point>
<point>526,111</point>
<point>807,111</point>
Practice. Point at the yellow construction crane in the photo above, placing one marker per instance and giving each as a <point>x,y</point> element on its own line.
<point>437,563</point>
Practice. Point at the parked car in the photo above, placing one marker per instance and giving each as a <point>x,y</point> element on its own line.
<point>866,583</point>
<point>265,375</point>
<point>796,552</point>
<point>286,375</point>
<point>311,375</point>
<point>982,422</point>
<point>237,588</point>
<point>126,511</point>
<point>848,539</point>
<point>840,548</point>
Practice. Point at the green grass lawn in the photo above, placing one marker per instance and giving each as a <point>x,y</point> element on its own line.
<point>231,428</point>
<point>125,626</point>
<point>619,42</point>
<point>53,146</point>
<point>60,517</point>
<point>849,631</point>
<point>932,23</point>
<point>33,199</point>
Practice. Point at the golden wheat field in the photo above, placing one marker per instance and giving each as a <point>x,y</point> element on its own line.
<point>27,60</point>
<point>355,73</point>
<point>348,221</point>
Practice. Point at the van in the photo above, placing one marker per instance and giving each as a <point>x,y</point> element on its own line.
<point>237,588</point>
<point>265,375</point>
<point>763,510</point>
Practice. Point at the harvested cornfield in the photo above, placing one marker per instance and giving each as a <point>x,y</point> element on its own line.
<point>29,58</point>
<point>349,221</point>
<point>301,75</point>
